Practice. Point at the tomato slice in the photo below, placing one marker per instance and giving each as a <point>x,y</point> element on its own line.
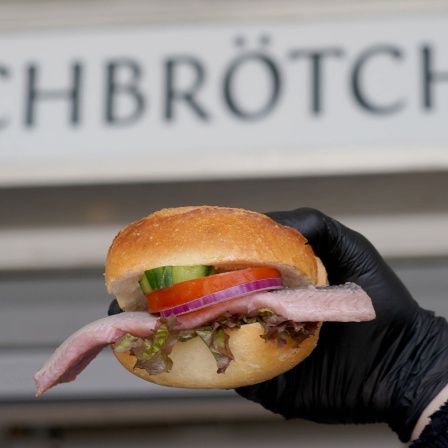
<point>183,292</point>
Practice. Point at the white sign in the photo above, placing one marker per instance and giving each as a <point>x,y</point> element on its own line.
<point>223,101</point>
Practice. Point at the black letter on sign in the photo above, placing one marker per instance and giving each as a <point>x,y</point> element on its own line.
<point>429,77</point>
<point>229,95</point>
<point>72,94</point>
<point>114,88</point>
<point>173,93</point>
<point>4,72</point>
<point>316,72</point>
<point>356,80</point>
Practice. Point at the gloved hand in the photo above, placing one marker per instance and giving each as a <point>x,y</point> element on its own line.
<point>385,370</point>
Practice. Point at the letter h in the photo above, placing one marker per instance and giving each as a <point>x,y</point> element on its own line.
<point>430,77</point>
<point>33,94</point>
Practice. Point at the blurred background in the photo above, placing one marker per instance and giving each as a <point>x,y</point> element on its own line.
<point>110,110</point>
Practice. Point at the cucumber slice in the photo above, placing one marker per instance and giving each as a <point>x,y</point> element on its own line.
<point>144,284</point>
<point>159,278</point>
<point>184,273</point>
<point>166,276</point>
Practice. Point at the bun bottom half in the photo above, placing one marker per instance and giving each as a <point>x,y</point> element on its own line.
<point>256,360</point>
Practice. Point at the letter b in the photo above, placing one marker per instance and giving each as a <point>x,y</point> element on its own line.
<point>129,89</point>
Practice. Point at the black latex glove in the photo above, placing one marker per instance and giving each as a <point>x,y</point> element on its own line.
<point>385,370</point>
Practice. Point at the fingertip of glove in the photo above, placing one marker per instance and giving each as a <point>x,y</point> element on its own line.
<point>114,308</point>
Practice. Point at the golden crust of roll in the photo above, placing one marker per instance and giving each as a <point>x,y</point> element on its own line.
<point>256,360</point>
<point>227,239</point>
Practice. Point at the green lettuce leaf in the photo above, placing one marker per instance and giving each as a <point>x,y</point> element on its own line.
<point>153,353</point>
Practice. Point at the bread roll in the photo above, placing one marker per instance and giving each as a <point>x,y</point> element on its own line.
<point>227,239</point>
<point>256,360</point>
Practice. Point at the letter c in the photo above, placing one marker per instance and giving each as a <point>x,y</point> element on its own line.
<point>357,73</point>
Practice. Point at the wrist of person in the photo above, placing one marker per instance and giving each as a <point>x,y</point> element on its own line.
<point>425,418</point>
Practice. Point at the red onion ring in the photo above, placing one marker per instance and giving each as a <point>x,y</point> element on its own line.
<point>223,295</point>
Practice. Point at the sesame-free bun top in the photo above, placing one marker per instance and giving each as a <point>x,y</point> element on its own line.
<point>226,238</point>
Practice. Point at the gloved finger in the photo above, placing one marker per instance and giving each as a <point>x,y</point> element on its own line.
<point>114,308</point>
<point>346,254</point>
<point>309,222</point>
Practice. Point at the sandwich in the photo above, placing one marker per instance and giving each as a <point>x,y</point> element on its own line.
<point>209,298</point>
